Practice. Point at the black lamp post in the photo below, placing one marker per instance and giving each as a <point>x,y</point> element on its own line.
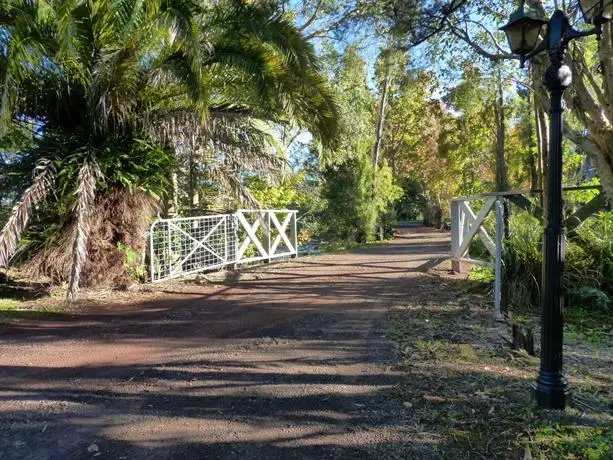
<point>523,31</point>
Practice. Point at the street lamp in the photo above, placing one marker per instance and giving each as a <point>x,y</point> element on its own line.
<point>523,31</point>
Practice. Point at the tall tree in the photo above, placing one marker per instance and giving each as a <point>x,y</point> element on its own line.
<point>590,99</point>
<point>357,193</point>
<point>500,119</point>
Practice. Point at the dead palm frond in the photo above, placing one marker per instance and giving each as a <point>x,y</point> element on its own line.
<point>34,194</point>
<point>231,185</point>
<point>89,173</point>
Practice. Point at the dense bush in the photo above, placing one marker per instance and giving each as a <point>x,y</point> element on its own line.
<point>588,269</point>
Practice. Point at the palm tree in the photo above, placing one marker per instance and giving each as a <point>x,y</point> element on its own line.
<point>102,79</point>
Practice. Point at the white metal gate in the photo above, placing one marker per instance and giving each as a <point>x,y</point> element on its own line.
<point>188,245</point>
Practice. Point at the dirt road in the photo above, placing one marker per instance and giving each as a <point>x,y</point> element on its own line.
<point>291,362</point>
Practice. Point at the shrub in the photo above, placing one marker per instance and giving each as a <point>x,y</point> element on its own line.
<point>588,269</point>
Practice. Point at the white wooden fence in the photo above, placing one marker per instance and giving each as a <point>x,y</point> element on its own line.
<point>466,224</point>
<point>189,245</point>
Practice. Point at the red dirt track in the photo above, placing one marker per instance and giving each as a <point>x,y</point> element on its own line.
<point>292,362</point>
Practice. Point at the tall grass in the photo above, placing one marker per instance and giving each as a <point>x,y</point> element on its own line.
<point>589,272</point>
<point>588,269</point>
<point>522,261</point>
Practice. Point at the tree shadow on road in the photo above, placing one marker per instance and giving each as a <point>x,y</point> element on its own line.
<point>296,362</point>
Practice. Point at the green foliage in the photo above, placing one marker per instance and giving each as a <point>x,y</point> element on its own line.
<point>590,271</point>
<point>133,262</point>
<point>357,198</point>
<point>588,268</point>
<point>386,190</point>
<point>357,104</point>
<point>411,204</point>
<point>292,193</point>
<point>129,163</point>
<point>145,166</point>
<point>350,214</point>
<point>386,193</point>
<point>522,260</point>
<point>354,204</point>
<point>574,442</point>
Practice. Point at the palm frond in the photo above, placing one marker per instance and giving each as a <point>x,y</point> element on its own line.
<point>34,194</point>
<point>24,39</point>
<point>230,184</point>
<point>89,174</point>
<point>262,61</point>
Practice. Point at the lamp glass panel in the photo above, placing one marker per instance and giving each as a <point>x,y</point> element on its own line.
<point>515,37</point>
<point>531,35</point>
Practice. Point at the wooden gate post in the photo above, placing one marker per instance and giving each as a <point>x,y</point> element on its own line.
<point>456,236</point>
<point>267,231</point>
<point>294,231</point>
<point>235,240</point>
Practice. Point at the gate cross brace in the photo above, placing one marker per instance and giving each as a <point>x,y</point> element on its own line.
<point>199,244</point>
<point>475,226</point>
<point>282,232</point>
<point>251,236</point>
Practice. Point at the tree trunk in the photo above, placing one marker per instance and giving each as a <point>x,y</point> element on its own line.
<point>541,107</point>
<point>174,206</point>
<point>533,159</point>
<point>542,140</point>
<point>379,130</point>
<point>192,178</point>
<point>502,178</point>
<point>381,118</point>
<point>534,173</point>
<point>433,213</point>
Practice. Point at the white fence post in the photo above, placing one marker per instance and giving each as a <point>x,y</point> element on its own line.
<point>151,253</point>
<point>169,233</point>
<point>294,232</point>
<point>267,232</point>
<point>235,243</point>
<point>225,240</point>
<point>456,236</point>
<point>466,226</point>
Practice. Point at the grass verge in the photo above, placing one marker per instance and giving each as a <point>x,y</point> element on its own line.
<point>467,389</point>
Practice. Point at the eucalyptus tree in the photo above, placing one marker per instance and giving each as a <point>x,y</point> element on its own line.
<point>357,194</point>
<point>590,99</point>
<point>109,80</point>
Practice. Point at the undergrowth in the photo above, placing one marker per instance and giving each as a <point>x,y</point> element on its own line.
<point>588,268</point>
<point>465,387</point>
<point>521,430</point>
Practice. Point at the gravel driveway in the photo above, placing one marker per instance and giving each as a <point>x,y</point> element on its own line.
<point>291,362</point>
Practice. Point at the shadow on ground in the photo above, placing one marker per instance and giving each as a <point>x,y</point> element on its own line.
<point>294,362</point>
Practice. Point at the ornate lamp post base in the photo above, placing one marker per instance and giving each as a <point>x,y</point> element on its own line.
<point>552,390</point>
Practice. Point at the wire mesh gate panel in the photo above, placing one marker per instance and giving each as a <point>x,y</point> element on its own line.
<point>189,245</point>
